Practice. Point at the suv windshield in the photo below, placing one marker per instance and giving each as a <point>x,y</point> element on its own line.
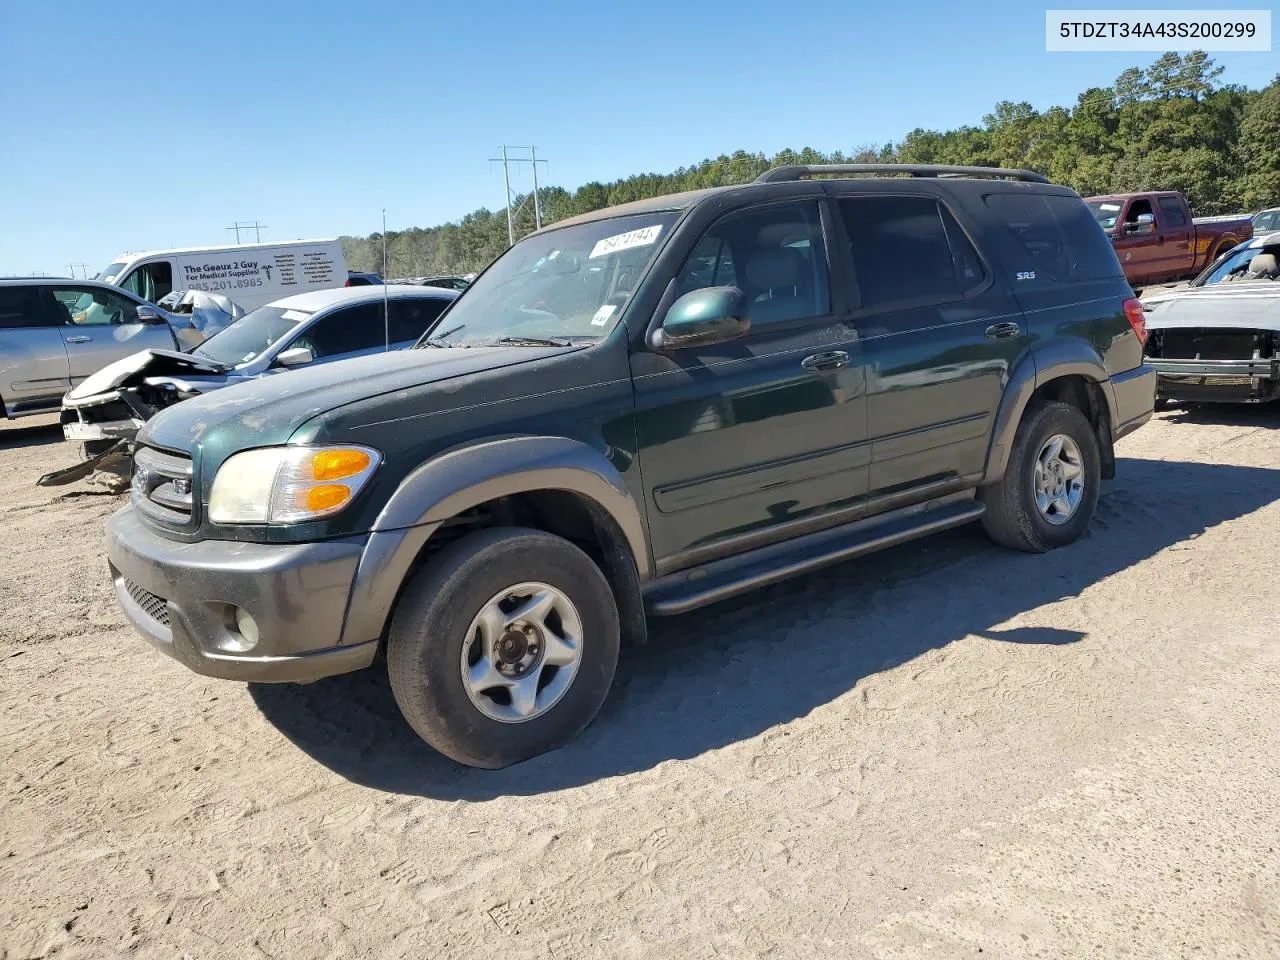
<point>1105,212</point>
<point>251,335</point>
<point>567,284</point>
<point>110,271</point>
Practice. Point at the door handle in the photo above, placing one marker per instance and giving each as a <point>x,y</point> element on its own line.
<point>831,360</point>
<point>1003,331</point>
<point>79,339</point>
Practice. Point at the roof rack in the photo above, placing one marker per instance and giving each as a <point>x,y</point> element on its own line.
<point>800,171</point>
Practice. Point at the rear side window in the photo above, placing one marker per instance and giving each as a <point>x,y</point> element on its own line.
<point>409,318</point>
<point>1060,236</point>
<point>20,307</point>
<point>1171,213</point>
<point>908,248</point>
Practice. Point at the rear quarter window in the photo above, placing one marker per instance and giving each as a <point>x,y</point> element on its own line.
<point>1060,236</point>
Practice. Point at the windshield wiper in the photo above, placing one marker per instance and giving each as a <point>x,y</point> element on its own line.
<point>438,339</point>
<point>534,341</point>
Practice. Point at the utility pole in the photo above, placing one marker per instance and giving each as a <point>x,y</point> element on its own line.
<point>506,160</point>
<point>506,179</point>
<point>247,225</point>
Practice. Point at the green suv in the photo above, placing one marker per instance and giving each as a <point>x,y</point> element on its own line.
<point>634,413</point>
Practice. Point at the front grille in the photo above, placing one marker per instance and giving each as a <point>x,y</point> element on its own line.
<point>157,608</point>
<point>162,485</point>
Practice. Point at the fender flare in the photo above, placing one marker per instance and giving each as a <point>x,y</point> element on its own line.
<point>1046,362</point>
<point>466,477</point>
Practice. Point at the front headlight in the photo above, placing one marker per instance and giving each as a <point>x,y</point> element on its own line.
<point>289,484</point>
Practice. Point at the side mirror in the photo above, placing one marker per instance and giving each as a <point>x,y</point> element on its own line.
<point>149,314</point>
<point>294,357</point>
<point>703,317</point>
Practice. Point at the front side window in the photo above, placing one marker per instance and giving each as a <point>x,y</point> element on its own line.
<point>250,336</point>
<point>151,282</point>
<point>345,331</point>
<point>93,306</point>
<point>569,283</point>
<point>775,254</point>
<point>908,248</point>
<point>409,318</point>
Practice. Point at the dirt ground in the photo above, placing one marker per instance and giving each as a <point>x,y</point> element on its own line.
<point>942,751</point>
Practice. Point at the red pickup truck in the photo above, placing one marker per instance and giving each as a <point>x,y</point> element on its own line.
<point>1157,239</point>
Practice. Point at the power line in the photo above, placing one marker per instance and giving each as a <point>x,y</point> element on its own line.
<point>506,160</point>
<point>247,225</point>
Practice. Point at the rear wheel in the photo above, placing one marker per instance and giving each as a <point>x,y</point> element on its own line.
<point>1050,487</point>
<point>503,646</point>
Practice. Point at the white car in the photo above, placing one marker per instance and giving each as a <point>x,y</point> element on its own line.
<point>321,327</point>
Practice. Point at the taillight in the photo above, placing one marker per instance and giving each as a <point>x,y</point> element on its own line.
<point>348,283</point>
<point>1137,318</point>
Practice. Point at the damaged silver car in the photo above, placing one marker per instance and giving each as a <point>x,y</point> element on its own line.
<point>106,410</point>
<point>1218,340</point>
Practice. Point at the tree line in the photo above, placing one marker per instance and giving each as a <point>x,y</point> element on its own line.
<point>1172,126</point>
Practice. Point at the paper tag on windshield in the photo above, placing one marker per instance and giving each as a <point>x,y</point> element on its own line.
<point>603,314</point>
<point>625,241</point>
<point>294,316</point>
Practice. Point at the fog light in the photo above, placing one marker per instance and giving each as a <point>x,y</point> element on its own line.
<point>248,627</point>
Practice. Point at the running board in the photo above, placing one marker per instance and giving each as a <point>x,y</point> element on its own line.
<point>689,589</point>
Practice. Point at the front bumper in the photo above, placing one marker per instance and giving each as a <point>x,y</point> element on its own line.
<point>1135,395</point>
<point>183,597</point>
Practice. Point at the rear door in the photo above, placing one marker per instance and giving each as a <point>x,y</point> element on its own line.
<point>33,359</point>
<point>1175,236</point>
<point>100,325</point>
<point>939,335</point>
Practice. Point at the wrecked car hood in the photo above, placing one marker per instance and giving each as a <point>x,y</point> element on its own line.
<point>1247,304</point>
<point>140,366</point>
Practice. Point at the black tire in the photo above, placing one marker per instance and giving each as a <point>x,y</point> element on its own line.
<point>1012,518</point>
<point>429,629</point>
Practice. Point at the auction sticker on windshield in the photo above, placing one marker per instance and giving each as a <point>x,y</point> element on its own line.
<point>625,241</point>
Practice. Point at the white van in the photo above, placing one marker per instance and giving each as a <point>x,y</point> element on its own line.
<point>250,274</point>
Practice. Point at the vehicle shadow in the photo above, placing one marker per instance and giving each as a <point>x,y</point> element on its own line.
<point>16,436</point>
<point>735,670</point>
<point>1262,415</point>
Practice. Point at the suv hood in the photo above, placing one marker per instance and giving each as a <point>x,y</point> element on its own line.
<point>268,410</point>
<point>1246,304</point>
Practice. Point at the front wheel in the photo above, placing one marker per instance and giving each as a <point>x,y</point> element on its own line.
<point>503,646</point>
<point>1050,487</point>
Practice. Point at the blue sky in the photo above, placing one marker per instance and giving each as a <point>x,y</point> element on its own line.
<point>140,124</point>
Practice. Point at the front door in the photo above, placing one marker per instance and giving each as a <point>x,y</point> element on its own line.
<point>939,335</point>
<point>1140,251</point>
<point>100,326</point>
<point>33,360</point>
<point>739,437</point>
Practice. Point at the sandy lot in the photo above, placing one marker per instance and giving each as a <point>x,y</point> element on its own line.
<point>943,751</point>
